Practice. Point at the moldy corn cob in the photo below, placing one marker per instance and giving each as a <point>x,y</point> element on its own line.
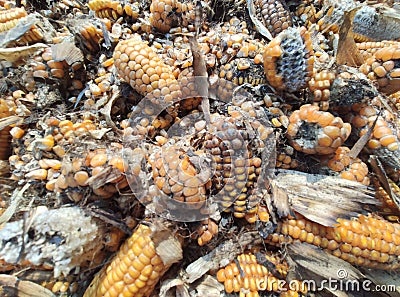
<point>138,266</point>
<point>289,60</point>
<point>312,131</point>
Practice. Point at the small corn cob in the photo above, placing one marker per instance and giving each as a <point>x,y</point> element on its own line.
<point>320,85</point>
<point>288,60</point>
<point>384,68</point>
<point>138,265</point>
<point>164,14</point>
<point>395,100</point>
<point>114,9</point>
<point>175,175</point>
<point>390,208</point>
<point>247,276</point>
<point>206,231</point>
<point>275,15</point>
<point>369,48</point>
<point>10,18</point>
<point>241,71</point>
<point>347,167</point>
<point>365,241</point>
<point>312,131</point>
<point>384,140</point>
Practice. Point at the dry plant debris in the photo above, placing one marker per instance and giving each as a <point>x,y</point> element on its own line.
<point>198,148</point>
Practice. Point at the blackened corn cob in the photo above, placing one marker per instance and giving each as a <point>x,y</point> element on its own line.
<point>288,60</point>
<point>135,270</point>
<point>365,241</point>
<point>312,131</point>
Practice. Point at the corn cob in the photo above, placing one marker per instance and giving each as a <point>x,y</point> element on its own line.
<point>275,15</point>
<point>312,131</point>
<point>369,48</point>
<point>247,276</point>
<point>10,18</point>
<point>365,241</point>
<point>319,85</point>
<point>288,60</point>
<point>143,69</point>
<point>395,100</point>
<point>167,13</point>
<point>206,231</point>
<point>383,68</point>
<point>114,9</point>
<point>137,267</point>
<point>390,208</point>
<point>384,140</point>
<point>348,167</point>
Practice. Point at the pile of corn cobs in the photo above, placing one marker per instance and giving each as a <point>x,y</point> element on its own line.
<point>173,131</point>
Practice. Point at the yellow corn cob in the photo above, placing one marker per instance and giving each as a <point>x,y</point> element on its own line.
<point>389,207</point>
<point>143,69</point>
<point>383,68</point>
<point>384,141</point>
<point>369,48</point>
<point>320,85</point>
<point>137,267</point>
<point>365,241</point>
<point>9,18</point>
